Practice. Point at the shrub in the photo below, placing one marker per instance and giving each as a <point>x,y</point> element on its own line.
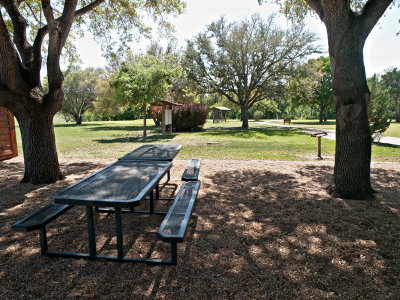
<point>258,115</point>
<point>189,116</point>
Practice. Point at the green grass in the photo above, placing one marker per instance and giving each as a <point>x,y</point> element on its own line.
<point>393,130</point>
<point>229,141</point>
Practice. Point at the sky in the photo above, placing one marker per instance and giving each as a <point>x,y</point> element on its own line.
<point>381,50</point>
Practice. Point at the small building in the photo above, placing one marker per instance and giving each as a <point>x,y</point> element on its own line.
<point>8,139</point>
<point>219,113</point>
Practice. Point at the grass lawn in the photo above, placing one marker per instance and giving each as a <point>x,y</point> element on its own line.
<point>393,130</point>
<point>112,139</point>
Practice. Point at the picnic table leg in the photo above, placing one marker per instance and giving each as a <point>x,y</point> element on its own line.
<point>91,233</point>
<point>43,240</point>
<point>119,235</point>
<point>174,253</point>
<point>151,202</point>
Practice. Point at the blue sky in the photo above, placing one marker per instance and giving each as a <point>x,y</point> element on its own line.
<point>381,49</point>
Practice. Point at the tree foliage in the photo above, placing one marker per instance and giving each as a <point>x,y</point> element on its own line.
<point>391,80</point>
<point>378,106</point>
<point>146,80</point>
<point>246,61</point>
<point>79,92</point>
<point>312,85</point>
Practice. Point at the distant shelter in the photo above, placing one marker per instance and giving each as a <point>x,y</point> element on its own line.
<point>219,113</point>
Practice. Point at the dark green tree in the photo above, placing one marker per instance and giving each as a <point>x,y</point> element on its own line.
<point>391,80</point>
<point>246,61</point>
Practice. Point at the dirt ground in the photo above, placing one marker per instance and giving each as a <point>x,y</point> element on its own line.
<point>260,229</point>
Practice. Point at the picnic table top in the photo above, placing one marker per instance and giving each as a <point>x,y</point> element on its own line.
<point>121,184</point>
<point>153,152</point>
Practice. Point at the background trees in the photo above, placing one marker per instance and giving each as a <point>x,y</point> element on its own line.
<point>246,61</point>
<point>312,86</point>
<point>79,92</point>
<point>391,80</point>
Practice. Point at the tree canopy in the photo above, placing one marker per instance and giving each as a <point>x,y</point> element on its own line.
<point>146,80</point>
<point>246,61</point>
<point>312,85</point>
<point>79,92</point>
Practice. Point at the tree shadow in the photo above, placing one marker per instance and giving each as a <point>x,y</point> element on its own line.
<point>138,139</point>
<point>249,133</point>
<point>263,232</point>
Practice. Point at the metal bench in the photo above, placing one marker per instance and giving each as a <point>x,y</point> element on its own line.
<point>39,219</point>
<point>172,229</point>
<point>191,172</point>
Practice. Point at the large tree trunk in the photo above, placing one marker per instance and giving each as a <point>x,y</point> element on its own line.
<point>38,141</point>
<point>351,178</point>
<point>245,117</point>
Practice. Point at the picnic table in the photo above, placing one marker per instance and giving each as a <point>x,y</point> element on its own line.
<point>120,187</point>
<point>123,184</point>
<point>153,152</point>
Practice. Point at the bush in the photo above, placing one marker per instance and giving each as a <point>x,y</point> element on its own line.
<point>189,116</point>
<point>258,115</point>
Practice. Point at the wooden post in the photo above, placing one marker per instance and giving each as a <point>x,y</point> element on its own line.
<point>319,148</point>
<point>163,118</point>
<point>170,125</point>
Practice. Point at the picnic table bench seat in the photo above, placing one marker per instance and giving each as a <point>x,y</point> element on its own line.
<point>41,217</point>
<point>192,170</point>
<point>172,229</point>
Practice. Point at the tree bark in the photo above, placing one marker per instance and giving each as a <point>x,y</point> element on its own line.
<point>144,121</point>
<point>351,178</point>
<point>40,154</point>
<point>321,114</point>
<point>245,116</point>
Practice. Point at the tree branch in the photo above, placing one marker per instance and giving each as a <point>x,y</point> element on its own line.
<point>10,75</point>
<point>316,5</point>
<point>20,25</point>
<point>370,14</point>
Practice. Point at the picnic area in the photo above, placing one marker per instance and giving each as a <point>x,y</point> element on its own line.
<point>259,229</point>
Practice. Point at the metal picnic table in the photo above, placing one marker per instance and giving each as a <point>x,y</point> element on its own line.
<point>153,152</point>
<point>123,184</point>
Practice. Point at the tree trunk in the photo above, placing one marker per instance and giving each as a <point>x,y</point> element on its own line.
<point>144,122</point>
<point>397,110</point>
<point>78,120</point>
<point>40,154</point>
<point>321,114</point>
<point>351,178</point>
<point>245,117</point>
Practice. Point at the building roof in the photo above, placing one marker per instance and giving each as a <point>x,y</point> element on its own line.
<point>222,108</point>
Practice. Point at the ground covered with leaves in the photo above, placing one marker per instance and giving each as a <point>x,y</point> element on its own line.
<point>260,229</point>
